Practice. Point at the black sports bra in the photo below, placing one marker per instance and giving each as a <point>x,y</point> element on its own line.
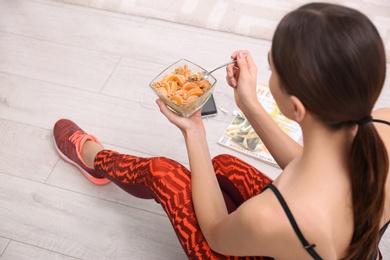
<point>381,121</point>
<point>310,247</point>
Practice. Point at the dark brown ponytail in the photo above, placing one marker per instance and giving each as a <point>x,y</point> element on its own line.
<point>332,58</point>
<point>368,166</point>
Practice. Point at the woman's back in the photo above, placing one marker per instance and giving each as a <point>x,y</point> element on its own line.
<point>317,190</point>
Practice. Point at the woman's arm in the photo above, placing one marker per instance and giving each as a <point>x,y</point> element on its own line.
<point>243,80</point>
<point>281,146</point>
<point>236,233</point>
<point>207,196</point>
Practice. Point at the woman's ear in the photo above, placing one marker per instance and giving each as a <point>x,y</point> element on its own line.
<point>299,109</point>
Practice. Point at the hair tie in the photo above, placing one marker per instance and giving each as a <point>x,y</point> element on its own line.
<point>364,120</point>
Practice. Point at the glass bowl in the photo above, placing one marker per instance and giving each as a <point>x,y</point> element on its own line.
<point>188,109</point>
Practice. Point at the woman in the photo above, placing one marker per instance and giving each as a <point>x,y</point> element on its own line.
<point>328,69</point>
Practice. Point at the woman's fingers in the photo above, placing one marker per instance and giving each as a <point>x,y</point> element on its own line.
<point>243,69</point>
<point>182,123</point>
<point>231,76</point>
<point>170,115</point>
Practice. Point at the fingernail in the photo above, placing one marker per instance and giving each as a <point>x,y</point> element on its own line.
<point>240,55</point>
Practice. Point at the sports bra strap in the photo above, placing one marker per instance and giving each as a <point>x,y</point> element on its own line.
<point>381,121</point>
<point>308,247</point>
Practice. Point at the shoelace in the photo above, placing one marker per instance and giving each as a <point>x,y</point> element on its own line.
<point>76,138</point>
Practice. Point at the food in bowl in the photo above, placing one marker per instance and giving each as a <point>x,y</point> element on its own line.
<point>181,88</point>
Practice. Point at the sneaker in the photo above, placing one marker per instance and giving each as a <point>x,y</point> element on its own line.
<point>69,140</point>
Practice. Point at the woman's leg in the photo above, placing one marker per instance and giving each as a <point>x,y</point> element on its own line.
<point>169,183</point>
<point>238,179</point>
<point>165,180</point>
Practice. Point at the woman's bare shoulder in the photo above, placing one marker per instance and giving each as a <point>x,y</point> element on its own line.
<point>381,113</point>
<point>383,129</point>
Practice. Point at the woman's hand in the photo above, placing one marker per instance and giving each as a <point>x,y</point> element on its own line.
<point>186,125</point>
<point>242,77</point>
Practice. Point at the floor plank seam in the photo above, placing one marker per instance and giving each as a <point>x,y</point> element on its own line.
<point>5,248</point>
<point>110,76</point>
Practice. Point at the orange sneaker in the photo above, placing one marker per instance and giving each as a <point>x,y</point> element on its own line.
<point>69,140</point>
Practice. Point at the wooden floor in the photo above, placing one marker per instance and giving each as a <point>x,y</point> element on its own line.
<point>94,67</point>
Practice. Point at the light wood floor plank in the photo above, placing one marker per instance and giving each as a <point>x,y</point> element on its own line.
<point>61,64</point>
<point>4,242</point>
<point>81,226</point>
<point>21,251</point>
<point>26,151</point>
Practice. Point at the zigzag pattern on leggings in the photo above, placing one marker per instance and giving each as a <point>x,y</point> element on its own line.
<point>246,178</point>
<point>169,183</point>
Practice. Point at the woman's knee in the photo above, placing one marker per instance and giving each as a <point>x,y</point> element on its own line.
<point>165,170</point>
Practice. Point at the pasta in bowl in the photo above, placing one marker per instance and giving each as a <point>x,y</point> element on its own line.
<point>179,87</point>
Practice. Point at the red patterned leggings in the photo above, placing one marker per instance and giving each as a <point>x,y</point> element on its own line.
<point>169,183</point>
